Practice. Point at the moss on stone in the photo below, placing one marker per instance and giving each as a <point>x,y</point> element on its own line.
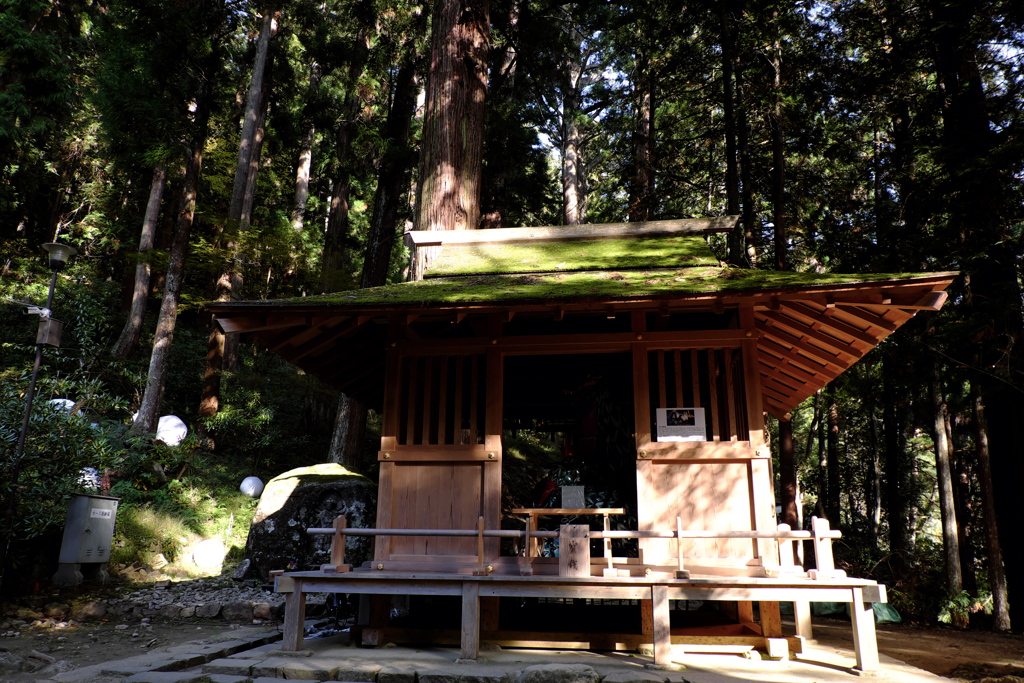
<point>583,255</point>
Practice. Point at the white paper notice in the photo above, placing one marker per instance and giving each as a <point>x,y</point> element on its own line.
<point>681,424</point>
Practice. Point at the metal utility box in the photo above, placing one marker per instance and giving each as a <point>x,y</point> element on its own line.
<point>88,534</point>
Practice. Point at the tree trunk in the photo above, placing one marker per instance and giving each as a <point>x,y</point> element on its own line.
<point>976,167</point>
<point>453,121</point>
<point>737,250</point>
<point>778,154</point>
<point>222,350</point>
<point>349,430</point>
<point>393,177</point>
<point>255,106</point>
<point>993,549</point>
<point>145,422</point>
<point>896,495</point>
<point>787,474</point>
<point>834,496</point>
<point>305,156</point>
<point>642,186</point>
<point>209,403</point>
<point>944,473</point>
<point>873,484</point>
<point>252,173</point>
<point>747,218</point>
<point>129,338</point>
<point>336,261</point>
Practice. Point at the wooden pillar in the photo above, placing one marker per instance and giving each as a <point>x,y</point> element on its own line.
<point>864,642</point>
<point>470,639</point>
<point>662,632</point>
<point>388,441</point>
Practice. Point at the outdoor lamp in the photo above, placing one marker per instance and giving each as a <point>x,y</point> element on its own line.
<point>59,255</point>
<point>48,334</point>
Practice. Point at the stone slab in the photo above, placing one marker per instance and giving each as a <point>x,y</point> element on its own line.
<point>233,667</point>
<point>396,674</point>
<point>634,676</point>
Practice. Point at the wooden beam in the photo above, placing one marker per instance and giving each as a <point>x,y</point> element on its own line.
<point>841,347</point>
<point>570,342</point>
<point>870,318</point>
<point>566,233</point>
<point>248,323</point>
<point>781,336</point>
<point>827,318</point>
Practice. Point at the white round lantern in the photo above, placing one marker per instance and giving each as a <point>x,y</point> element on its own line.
<point>252,487</point>
<point>171,430</point>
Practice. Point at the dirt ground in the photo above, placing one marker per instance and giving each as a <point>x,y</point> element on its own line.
<point>74,647</point>
<point>965,655</point>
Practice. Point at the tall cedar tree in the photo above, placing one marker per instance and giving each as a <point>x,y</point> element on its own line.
<point>453,121</point>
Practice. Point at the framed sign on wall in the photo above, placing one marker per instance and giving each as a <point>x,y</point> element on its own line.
<point>681,424</point>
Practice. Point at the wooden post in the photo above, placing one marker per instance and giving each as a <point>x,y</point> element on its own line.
<point>826,567</point>
<point>802,619</point>
<point>337,564</point>
<point>864,642</point>
<point>681,571</point>
<point>661,631</point>
<point>482,569</point>
<point>294,616</point>
<point>470,640</point>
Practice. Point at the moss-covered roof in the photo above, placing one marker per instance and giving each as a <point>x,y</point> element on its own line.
<point>575,285</point>
<point>581,255</point>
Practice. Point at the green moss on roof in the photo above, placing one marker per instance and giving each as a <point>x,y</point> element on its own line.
<point>583,255</point>
<point>570,286</point>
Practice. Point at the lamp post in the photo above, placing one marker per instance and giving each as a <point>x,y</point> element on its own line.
<point>48,334</point>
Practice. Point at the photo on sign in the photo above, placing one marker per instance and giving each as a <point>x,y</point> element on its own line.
<point>681,424</point>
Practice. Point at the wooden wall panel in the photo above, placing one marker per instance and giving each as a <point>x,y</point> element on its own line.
<point>435,495</point>
<point>706,495</point>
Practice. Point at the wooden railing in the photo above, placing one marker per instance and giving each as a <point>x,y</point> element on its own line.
<point>820,534</point>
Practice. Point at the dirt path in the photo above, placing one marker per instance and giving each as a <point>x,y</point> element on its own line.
<point>966,655</point>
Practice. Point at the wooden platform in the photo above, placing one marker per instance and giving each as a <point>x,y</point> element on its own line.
<point>860,593</point>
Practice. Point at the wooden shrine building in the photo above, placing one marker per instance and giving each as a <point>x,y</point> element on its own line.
<point>652,362</point>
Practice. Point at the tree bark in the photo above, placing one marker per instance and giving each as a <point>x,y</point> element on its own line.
<point>393,176</point>
<point>944,473</point>
<point>787,474</point>
<point>747,218</point>
<point>834,496</point>
<point>737,249</point>
<point>896,486</point>
<point>873,483</point>
<point>349,431</point>
<point>305,156</point>
<point>642,185</point>
<point>255,106</point>
<point>129,339</point>
<point>335,262</point>
<point>993,548</point>
<point>778,155</point>
<point>453,121</point>
<point>145,422</point>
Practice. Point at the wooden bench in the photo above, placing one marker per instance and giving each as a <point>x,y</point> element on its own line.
<point>787,584</point>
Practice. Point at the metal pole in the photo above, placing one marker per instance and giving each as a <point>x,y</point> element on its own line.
<point>20,450</point>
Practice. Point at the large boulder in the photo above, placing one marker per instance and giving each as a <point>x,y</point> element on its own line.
<point>303,498</point>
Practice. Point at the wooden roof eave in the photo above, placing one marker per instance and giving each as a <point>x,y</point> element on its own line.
<point>807,336</point>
